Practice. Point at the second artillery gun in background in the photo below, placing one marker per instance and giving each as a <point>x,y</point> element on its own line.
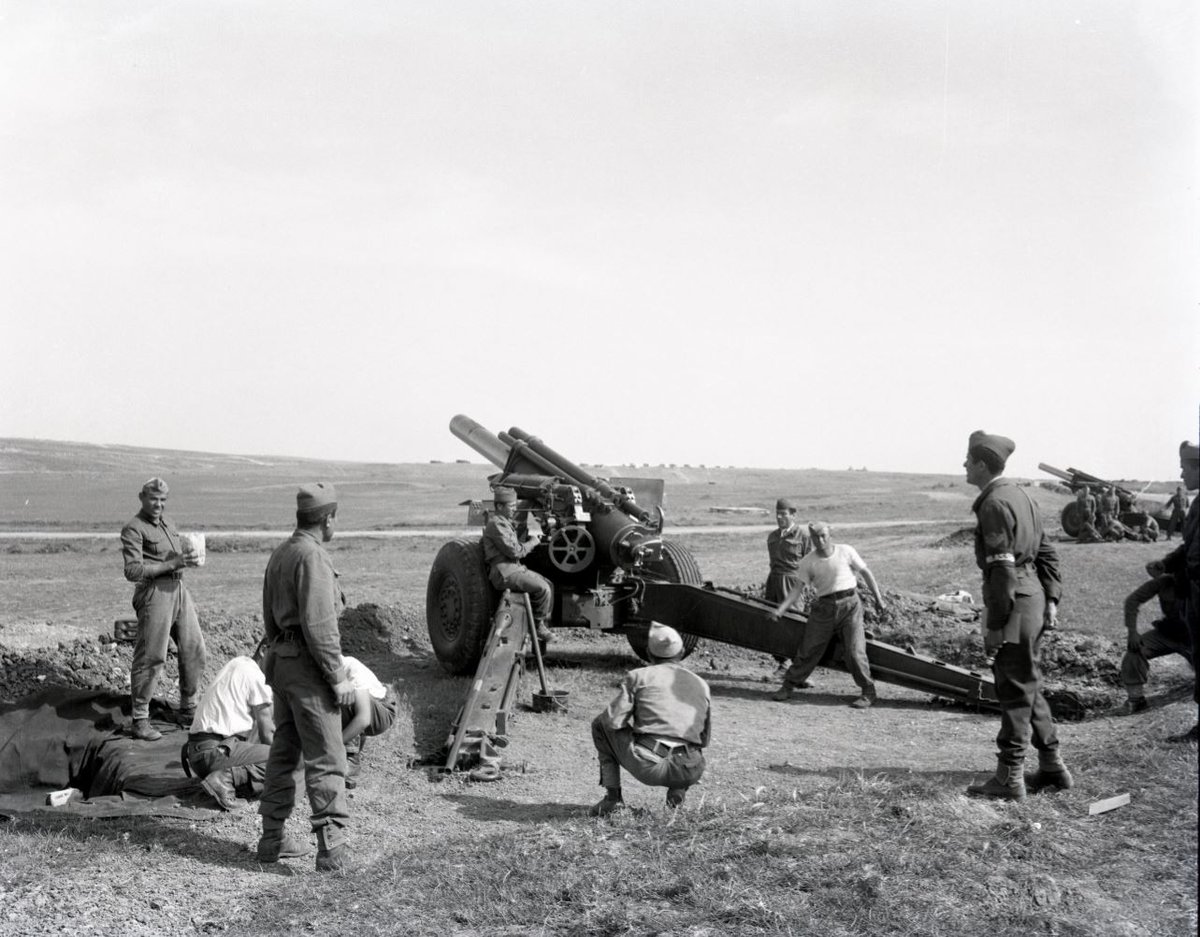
<point>612,570</point>
<point>1131,514</point>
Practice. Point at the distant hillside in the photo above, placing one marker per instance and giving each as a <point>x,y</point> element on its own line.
<point>50,485</point>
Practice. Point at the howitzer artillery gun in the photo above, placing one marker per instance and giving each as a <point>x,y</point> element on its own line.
<point>603,541</point>
<point>613,570</point>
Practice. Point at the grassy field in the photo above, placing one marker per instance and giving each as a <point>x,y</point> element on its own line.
<point>812,818</point>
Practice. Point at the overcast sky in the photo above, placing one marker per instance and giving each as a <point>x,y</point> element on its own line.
<point>825,233</point>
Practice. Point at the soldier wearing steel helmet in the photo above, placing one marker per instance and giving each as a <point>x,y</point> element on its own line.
<point>656,727</point>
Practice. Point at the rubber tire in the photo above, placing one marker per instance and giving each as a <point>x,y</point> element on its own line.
<point>1072,521</point>
<point>677,565</point>
<point>458,606</point>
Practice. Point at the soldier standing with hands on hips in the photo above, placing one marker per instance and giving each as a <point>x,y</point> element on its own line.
<point>155,557</point>
<point>301,606</point>
<point>1021,590</point>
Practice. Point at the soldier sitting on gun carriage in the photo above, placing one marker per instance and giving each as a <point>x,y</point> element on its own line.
<point>503,550</point>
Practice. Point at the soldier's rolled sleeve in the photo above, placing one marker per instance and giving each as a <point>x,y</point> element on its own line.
<point>317,591</point>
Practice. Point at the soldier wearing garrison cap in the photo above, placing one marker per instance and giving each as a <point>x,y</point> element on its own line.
<point>301,606</point>
<point>656,727</point>
<point>503,550</point>
<point>154,558</point>
<point>1021,591</point>
<point>787,545</point>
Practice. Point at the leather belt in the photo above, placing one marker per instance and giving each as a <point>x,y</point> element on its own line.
<point>660,747</point>
<point>174,574</point>
<point>291,635</point>
<point>834,596</point>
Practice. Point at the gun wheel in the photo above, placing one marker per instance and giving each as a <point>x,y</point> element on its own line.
<point>676,565</point>
<point>458,604</point>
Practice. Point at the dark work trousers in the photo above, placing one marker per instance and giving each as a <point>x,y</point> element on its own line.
<point>164,611</point>
<point>1024,712</point>
<point>541,593</point>
<point>308,726</point>
<point>618,748</point>
<point>1135,665</point>
<point>829,620</point>
<point>247,760</point>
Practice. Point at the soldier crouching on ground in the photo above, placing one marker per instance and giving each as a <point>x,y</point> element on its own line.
<point>301,605</point>
<point>373,713</point>
<point>155,558</point>
<point>503,550</point>
<point>230,738</point>
<point>1021,590</point>
<point>656,727</point>
<point>833,570</point>
<point>1167,635</point>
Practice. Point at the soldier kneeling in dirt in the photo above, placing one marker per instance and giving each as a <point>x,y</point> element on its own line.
<point>656,727</point>
<point>373,713</point>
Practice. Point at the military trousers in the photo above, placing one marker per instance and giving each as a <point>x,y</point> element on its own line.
<point>619,748</point>
<point>535,585</point>
<point>1024,713</point>
<point>164,611</point>
<point>1135,665</point>
<point>247,760</point>
<point>829,620</point>
<point>308,730</point>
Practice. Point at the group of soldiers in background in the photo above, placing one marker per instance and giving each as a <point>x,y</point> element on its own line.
<point>1100,516</point>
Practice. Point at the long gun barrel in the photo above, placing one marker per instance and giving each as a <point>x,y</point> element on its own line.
<point>1078,479</point>
<point>575,473</point>
<point>481,439</point>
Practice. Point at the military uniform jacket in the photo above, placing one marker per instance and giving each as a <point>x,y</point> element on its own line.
<point>787,548</point>
<point>502,549</point>
<point>301,593</point>
<point>1012,551</point>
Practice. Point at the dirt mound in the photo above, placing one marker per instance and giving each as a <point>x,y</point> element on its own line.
<point>102,663</point>
<point>1081,671</point>
<point>964,537</point>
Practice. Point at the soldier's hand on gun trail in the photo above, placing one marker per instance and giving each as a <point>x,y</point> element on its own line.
<point>343,691</point>
<point>993,639</point>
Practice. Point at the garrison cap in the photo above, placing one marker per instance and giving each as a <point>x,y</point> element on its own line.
<point>1189,451</point>
<point>664,641</point>
<point>505,495</point>
<point>785,504</point>
<point>316,495</point>
<point>819,527</point>
<point>1002,446</point>
<point>155,485</point>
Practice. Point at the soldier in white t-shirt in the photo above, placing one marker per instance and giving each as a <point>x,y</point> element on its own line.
<point>833,571</point>
<point>230,736</point>
<point>373,713</point>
